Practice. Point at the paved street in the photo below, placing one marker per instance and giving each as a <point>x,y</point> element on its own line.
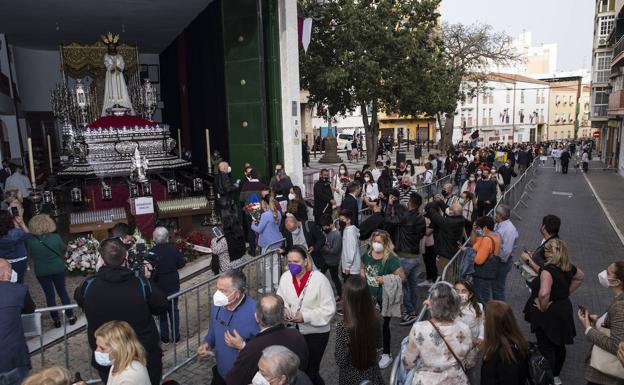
<point>592,244</point>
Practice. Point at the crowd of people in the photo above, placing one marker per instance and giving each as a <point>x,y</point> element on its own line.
<point>384,236</point>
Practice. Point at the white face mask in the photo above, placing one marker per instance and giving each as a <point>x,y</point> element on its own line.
<point>378,247</point>
<point>13,276</point>
<point>603,278</point>
<point>220,299</point>
<point>463,297</point>
<point>102,358</point>
<point>367,179</point>
<point>229,169</point>
<point>291,196</point>
<point>342,172</point>
<point>259,379</point>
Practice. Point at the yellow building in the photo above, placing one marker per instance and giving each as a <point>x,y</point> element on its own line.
<point>417,129</point>
<point>562,108</point>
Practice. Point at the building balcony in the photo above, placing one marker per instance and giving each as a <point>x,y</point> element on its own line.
<point>616,103</point>
<point>618,51</point>
<point>599,112</point>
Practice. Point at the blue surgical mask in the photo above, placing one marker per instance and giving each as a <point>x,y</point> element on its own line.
<point>461,201</point>
<point>296,231</point>
<point>479,232</point>
<point>102,358</point>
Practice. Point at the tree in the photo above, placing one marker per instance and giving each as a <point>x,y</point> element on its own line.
<point>469,53</point>
<point>371,54</point>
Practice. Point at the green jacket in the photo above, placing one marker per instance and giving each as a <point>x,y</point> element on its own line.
<point>47,260</point>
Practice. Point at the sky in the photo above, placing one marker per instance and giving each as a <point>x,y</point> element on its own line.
<point>567,23</point>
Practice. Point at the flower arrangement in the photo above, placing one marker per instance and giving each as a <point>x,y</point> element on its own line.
<point>184,243</point>
<point>82,255</point>
<point>254,210</point>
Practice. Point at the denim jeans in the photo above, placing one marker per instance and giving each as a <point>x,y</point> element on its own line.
<point>498,291</point>
<point>483,289</point>
<point>48,284</point>
<point>169,317</point>
<point>411,267</point>
<point>14,377</point>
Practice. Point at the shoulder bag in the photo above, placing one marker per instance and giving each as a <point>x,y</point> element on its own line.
<point>602,360</point>
<point>48,247</point>
<point>459,362</point>
<point>488,269</point>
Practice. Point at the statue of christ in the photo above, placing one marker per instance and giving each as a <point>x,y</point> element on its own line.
<point>115,89</point>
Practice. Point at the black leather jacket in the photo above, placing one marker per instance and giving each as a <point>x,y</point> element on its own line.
<point>409,232</point>
<point>225,188</point>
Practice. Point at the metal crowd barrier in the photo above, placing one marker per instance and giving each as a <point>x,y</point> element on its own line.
<point>262,272</point>
<point>517,194</point>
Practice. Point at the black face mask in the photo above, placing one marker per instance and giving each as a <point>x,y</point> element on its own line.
<point>342,224</point>
<point>445,193</point>
<point>327,230</point>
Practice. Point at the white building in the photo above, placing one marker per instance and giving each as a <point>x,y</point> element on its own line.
<point>514,108</point>
<point>537,61</point>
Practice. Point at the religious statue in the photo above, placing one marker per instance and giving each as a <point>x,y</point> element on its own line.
<point>115,89</point>
<point>138,170</point>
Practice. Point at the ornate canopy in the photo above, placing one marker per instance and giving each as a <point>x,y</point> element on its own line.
<point>80,60</point>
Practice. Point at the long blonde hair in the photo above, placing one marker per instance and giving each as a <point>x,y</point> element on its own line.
<point>269,200</point>
<point>387,242</point>
<point>560,256</point>
<point>125,347</point>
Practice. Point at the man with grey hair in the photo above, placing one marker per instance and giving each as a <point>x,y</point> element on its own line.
<point>278,365</point>
<point>166,259</point>
<point>232,323</point>
<point>270,317</point>
<point>508,235</point>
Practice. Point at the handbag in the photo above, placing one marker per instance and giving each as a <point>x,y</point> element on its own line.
<point>489,269</point>
<point>602,360</point>
<point>459,362</point>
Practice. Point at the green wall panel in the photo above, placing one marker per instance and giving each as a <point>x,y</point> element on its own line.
<point>249,73</point>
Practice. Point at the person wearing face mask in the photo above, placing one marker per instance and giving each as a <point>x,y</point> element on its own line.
<point>278,366</point>
<point>231,325</point>
<point>14,301</point>
<point>350,254</point>
<point>507,172</point>
<point>323,196</point>
<point>549,309</point>
<point>310,306</point>
<point>116,293</point>
<point>225,188</point>
<point>605,332</point>
<point>470,184</point>
<point>378,264</point>
<point>471,310</point>
<point>350,201</point>
<point>118,348</point>
<point>487,245</point>
<point>296,204</point>
<point>550,230</point>
<point>485,191</point>
<point>280,179</point>
<point>332,251</point>
<point>371,190</point>
<point>270,316</point>
<point>306,234</point>
<point>339,184</point>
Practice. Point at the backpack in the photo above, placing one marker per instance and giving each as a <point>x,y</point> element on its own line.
<point>539,372</point>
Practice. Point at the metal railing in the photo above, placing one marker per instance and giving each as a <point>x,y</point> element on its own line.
<point>517,194</point>
<point>262,272</point>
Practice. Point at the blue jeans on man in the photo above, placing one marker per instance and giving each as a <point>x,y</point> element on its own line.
<point>411,267</point>
<point>498,291</point>
<point>172,314</point>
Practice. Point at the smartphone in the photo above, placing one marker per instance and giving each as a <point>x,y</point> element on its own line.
<point>14,211</point>
<point>582,309</point>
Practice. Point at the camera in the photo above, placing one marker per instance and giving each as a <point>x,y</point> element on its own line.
<point>137,260</point>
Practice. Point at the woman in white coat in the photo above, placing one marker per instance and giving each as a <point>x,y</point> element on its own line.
<point>309,304</point>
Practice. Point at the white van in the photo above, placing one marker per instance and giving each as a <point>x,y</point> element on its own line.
<point>345,138</point>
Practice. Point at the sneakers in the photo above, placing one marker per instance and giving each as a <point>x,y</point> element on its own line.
<point>425,283</point>
<point>385,361</point>
<point>557,380</point>
<point>164,339</point>
<point>408,319</point>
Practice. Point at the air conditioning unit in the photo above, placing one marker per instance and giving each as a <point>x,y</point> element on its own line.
<point>602,41</point>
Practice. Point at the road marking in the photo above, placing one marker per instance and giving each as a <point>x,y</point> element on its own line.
<point>604,208</point>
<point>568,194</point>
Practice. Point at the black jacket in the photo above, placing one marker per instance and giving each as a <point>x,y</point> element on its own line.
<point>497,371</point>
<point>565,157</point>
<point>166,259</point>
<point>14,301</point>
<point>115,293</point>
<point>409,232</point>
<point>449,231</point>
<point>350,203</point>
<point>393,216</point>
<point>507,173</point>
<point>322,197</point>
<point>370,224</point>
<point>523,158</point>
<point>314,238</point>
<point>225,188</point>
<point>246,364</point>
<point>486,191</point>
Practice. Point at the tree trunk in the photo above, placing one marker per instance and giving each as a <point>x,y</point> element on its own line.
<point>446,139</point>
<point>370,134</point>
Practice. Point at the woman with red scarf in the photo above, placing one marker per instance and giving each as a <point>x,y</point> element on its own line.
<point>309,305</point>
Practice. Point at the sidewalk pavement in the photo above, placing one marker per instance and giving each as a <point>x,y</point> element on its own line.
<point>608,185</point>
<point>592,245</point>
